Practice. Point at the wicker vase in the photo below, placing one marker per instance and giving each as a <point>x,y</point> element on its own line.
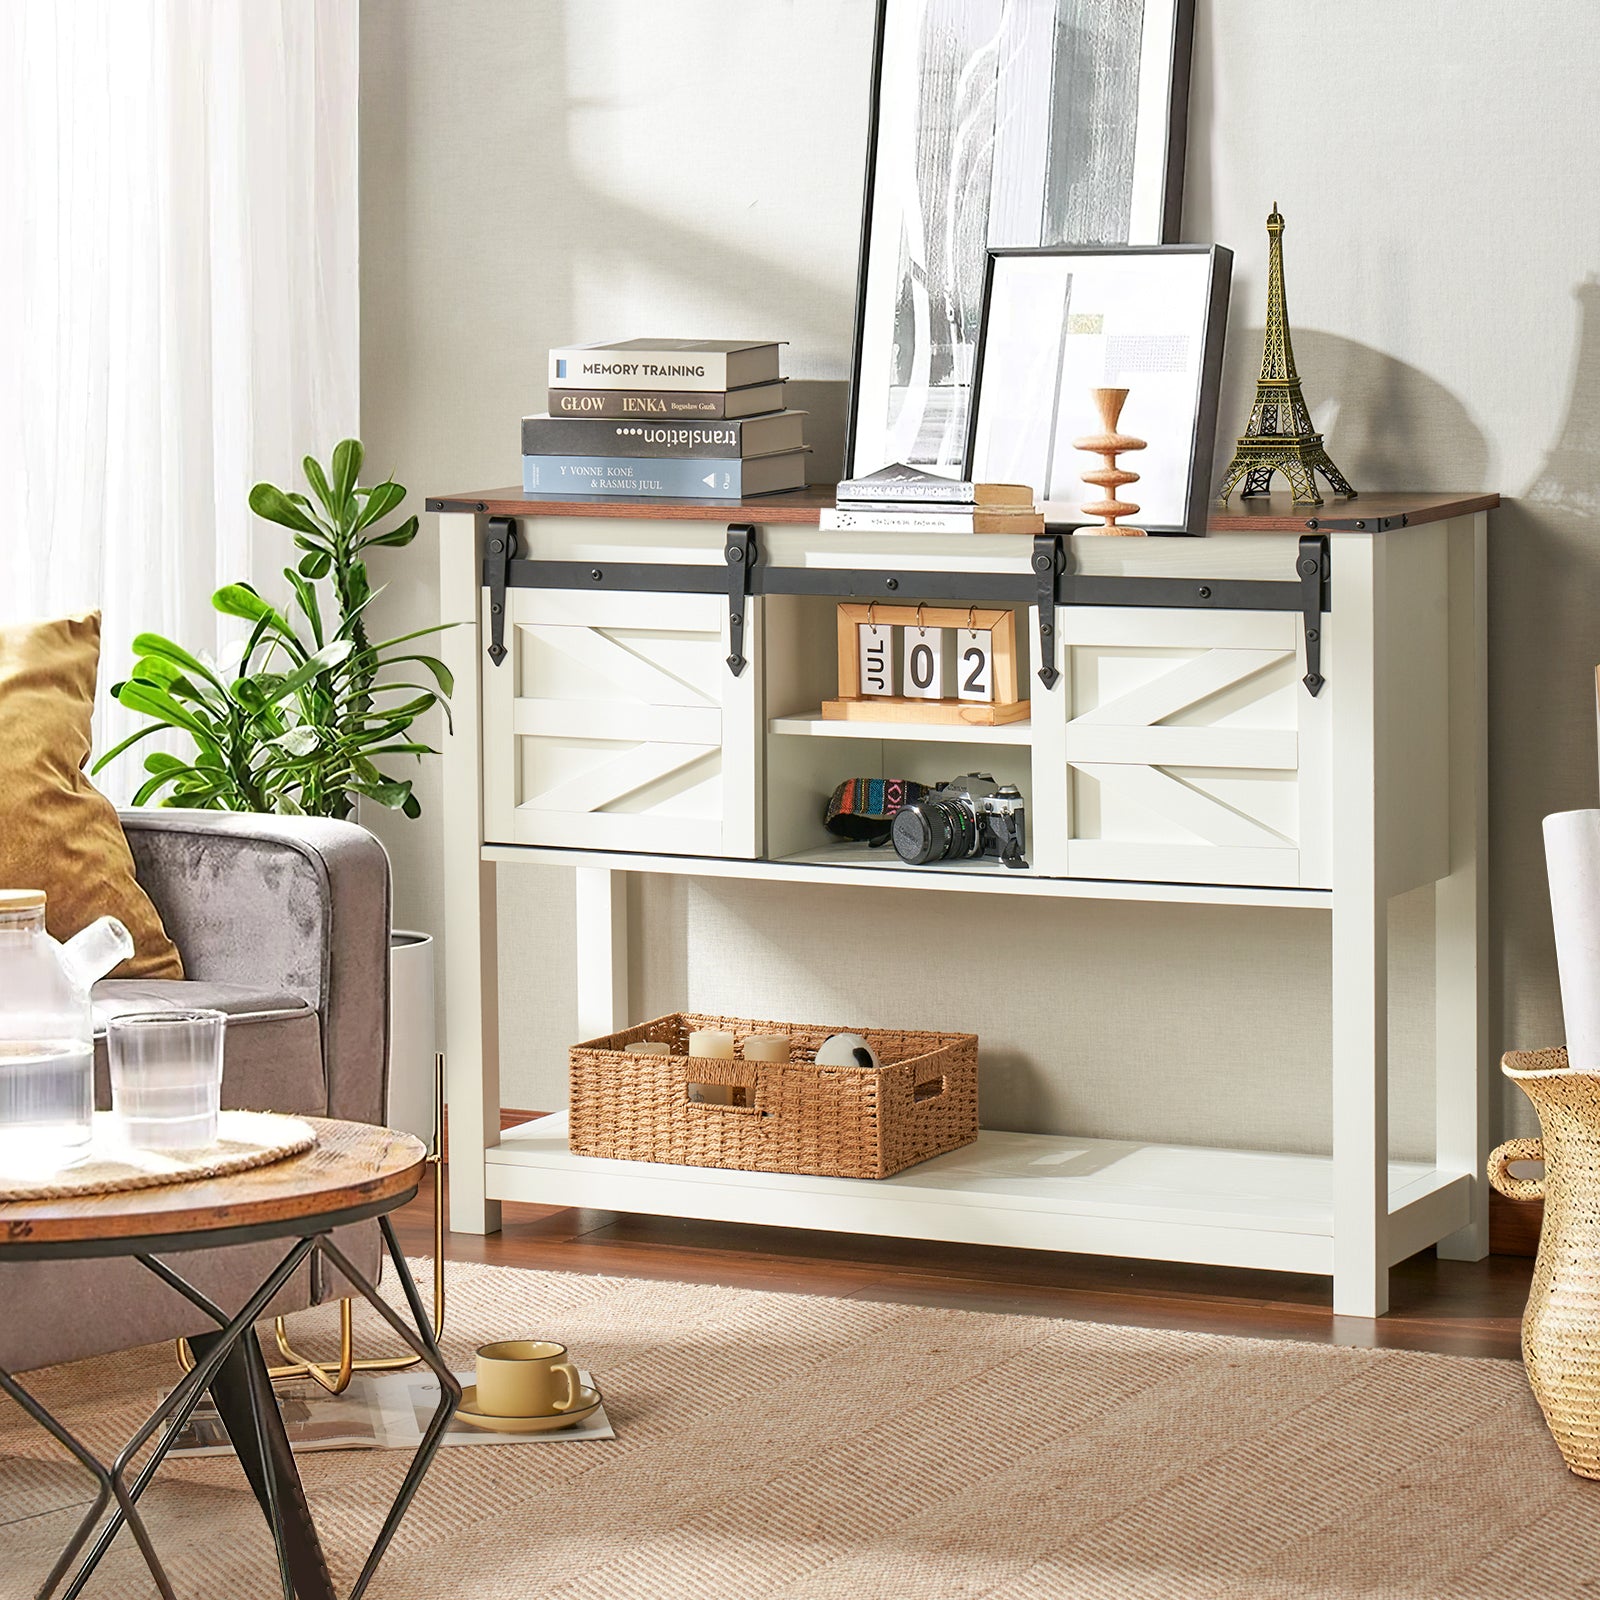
<point>1561,1327</point>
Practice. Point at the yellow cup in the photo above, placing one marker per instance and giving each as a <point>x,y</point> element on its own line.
<point>526,1378</point>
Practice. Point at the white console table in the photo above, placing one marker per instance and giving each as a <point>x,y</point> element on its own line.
<point>1174,753</point>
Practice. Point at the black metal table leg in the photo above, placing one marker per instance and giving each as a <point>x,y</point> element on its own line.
<point>424,1344</point>
<point>85,1458</point>
<point>243,1395</point>
<point>174,1409</point>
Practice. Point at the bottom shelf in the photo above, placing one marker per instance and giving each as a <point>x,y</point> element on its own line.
<point>1241,1208</point>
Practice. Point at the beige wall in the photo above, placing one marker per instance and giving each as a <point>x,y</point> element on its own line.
<point>535,172</point>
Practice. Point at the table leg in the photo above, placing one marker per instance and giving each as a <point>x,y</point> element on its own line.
<point>242,1392</point>
<point>423,1342</point>
<point>85,1459</point>
<point>173,1410</point>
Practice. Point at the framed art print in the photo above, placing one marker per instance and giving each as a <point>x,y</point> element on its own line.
<point>1060,324</point>
<point>997,123</point>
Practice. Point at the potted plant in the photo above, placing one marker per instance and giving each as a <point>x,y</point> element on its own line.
<point>309,715</point>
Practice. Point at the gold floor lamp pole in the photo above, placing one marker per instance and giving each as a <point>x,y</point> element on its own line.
<point>335,1376</point>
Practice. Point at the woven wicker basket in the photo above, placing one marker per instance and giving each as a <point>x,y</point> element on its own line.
<point>796,1117</point>
<point>1561,1327</point>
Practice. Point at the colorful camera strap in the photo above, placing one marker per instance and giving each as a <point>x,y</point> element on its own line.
<point>864,808</point>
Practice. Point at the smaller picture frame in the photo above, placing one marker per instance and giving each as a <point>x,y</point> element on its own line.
<point>1000,703</point>
<point>1063,322</point>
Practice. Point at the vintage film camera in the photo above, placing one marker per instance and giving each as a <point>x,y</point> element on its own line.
<point>970,816</point>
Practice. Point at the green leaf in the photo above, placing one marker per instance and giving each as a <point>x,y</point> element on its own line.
<point>132,739</point>
<point>155,645</point>
<point>397,537</point>
<point>346,468</point>
<point>442,674</point>
<point>155,703</point>
<point>381,499</point>
<point>330,655</point>
<point>316,564</point>
<point>240,600</point>
<point>269,501</point>
<point>419,633</point>
<point>306,594</point>
<point>391,792</point>
<point>301,741</point>
<point>313,471</point>
<point>151,787</point>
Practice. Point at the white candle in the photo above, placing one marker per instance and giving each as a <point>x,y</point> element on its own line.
<point>713,1043</point>
<point>767,1047</point>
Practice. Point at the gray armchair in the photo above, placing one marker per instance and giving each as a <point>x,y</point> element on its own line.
<point>283,923</point>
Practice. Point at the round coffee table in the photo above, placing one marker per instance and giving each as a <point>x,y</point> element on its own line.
<point>353,1173</point>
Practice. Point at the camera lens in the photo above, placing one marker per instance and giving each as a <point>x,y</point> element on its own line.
<point>919,834</point>
<point>936,830</point>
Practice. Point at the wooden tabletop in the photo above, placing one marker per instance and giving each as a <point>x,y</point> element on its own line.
<point>350,1166</point>
<point>1380,511</point>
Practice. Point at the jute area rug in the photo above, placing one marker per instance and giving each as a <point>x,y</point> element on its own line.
<point>783,1446</point>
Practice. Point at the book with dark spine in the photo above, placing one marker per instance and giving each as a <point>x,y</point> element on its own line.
<point>683,478</point>
<point>711,405</point>
<point>742,438</point>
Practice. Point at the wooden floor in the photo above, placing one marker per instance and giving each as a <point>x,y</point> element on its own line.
<point>1454,1307</point>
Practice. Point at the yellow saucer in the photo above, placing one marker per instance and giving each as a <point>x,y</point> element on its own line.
<point>467,1411</point>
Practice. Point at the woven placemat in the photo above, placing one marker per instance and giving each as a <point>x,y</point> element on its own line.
<point>245,1139</point>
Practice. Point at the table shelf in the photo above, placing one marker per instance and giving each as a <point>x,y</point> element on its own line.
<point>816,726</point>
<point>1245,1208</point>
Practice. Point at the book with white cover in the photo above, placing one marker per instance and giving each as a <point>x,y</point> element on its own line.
<point>892,518</point>
<point>672,364</point>
<point>900,482</point>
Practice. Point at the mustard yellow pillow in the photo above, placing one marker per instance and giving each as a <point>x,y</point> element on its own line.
<point>57,831</point>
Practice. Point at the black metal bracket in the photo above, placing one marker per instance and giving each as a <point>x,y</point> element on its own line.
<point>1048,560</point>
<point>741,553</point>
<point>1311,567</point>
<point>1362,524</point>
<point>500,548</point>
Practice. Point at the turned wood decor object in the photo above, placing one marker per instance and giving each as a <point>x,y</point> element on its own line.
<point>1111,477</point>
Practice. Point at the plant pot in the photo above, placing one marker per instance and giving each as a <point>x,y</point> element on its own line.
<point>412,1036</point>
<point>1561,1327</point>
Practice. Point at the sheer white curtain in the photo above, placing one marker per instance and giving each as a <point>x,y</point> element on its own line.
<point>179,308</point>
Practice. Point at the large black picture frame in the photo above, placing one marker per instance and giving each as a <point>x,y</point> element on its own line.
<point>1067,62</point>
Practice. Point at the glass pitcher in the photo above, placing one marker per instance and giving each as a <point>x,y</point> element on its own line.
<point>47,1033</point>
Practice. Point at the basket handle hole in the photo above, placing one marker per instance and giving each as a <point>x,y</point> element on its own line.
<point>931,1090</point>
<point>718,1094</point>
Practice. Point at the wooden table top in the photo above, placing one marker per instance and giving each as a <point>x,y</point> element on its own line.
<point>1380,511</point>
<point>350,1166</point>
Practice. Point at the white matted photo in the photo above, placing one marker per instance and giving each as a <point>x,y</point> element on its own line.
<point>1062,323</point>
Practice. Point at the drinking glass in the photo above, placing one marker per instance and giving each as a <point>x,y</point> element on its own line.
<point>166,1077</point>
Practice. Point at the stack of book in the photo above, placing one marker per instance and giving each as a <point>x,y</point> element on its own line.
<point>688,419</point>
<point>902,499</point>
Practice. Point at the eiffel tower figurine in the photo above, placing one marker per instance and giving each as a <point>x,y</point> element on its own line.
<point>1279,436</point>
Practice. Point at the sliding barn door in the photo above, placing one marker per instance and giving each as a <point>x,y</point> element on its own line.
<point>615,724</point>
<point>1194,752</point>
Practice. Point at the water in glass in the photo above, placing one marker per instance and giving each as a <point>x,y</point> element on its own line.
<point>47,1033</point>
